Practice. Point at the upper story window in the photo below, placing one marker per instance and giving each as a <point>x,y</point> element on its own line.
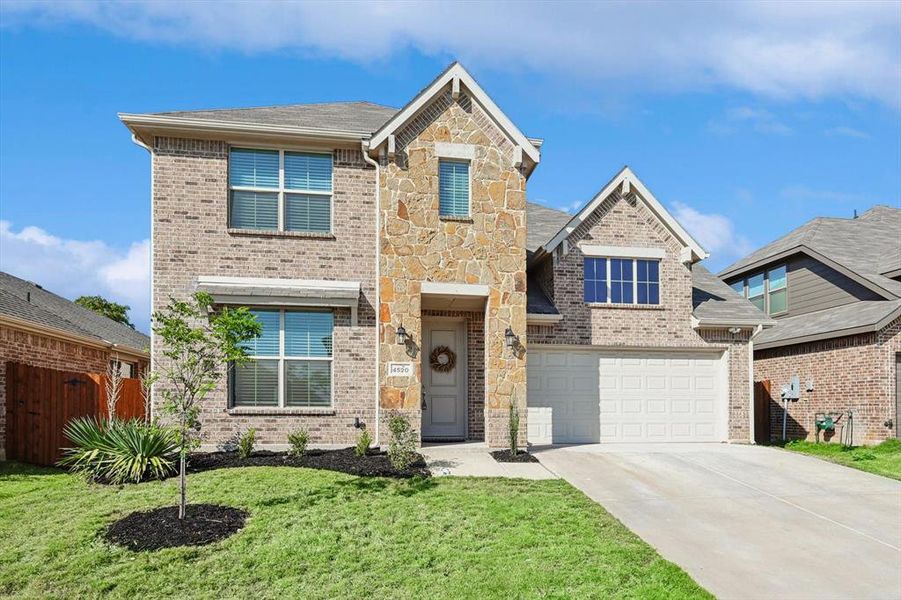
<point>621,281</point>
<point>767,291</point>
<point>290,363</point>
<point>278,190</point>
<point>453,188</point>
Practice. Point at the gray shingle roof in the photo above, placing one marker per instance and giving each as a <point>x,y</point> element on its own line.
<point>537,302</point>
<point>543,224</point>
<point>831,322</point>
<point>27,301</point>
<point>715,302</point>
<point>354,117</point>
<point>869,245</point>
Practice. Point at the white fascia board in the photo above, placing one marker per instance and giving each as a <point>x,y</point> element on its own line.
<point>638,187</point>
<point>542,319</point>
<point>163,123</point>
<point>455,151</point>
<point>621,251</point>
<point>454,289</point>
<point>456,71</point>
<point>718,324</point>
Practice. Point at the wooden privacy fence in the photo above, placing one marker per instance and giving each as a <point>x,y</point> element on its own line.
<point>762,401</point>
<point>39,403</point>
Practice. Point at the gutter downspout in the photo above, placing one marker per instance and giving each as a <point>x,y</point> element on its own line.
<point>364,147</point>
<point>757,329</point>
<point>136,141</point>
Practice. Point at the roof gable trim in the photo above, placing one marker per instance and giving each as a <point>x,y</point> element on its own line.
<point>455,76</point>
<point>629,183</point>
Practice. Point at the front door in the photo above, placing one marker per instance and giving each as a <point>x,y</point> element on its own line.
<point>443,380</point>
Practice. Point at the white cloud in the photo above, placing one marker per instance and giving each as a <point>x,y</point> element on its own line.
<point>844,131</point>
<point>716,233</point>
<point>73,268</point>
<point>792,50</point>
<point>757,119</point>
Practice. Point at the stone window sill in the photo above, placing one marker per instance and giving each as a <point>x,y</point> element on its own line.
<point>625,306</point>
<point>286,234</point>
<point>456,219</point>
<point>275,411</point>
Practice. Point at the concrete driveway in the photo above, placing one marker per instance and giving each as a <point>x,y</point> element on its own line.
<point>748,521</point>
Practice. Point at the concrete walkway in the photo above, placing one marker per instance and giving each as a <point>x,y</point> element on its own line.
<point>748,521</point>
<point>472,459</point>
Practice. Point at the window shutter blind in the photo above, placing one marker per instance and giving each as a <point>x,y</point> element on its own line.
<point>253,210</point>
<point>256,383</point>
<point>308,213</point>
<point>253,168</point>
<point>308,334</point>
<point>453,188</point>
<point>308,172</point>
<point>267,343</point>
<point>308,383</point>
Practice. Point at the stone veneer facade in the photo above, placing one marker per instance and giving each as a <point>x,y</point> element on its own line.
<point>853,372</point>
<point>41,350</point>
<point>191,238</point>
<point>627,221</point>
<point>488,248</point>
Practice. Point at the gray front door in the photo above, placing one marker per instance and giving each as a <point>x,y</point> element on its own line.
<point>444,392</point>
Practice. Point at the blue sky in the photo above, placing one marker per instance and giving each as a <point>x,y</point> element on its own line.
<point>744,122</point>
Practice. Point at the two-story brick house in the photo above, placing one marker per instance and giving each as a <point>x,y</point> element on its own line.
<point>391,257</point>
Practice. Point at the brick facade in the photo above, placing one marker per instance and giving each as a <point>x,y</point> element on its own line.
<point>40,350</point>
<point>853,372</point>
<point>627,221</point>
<point>191,238</point>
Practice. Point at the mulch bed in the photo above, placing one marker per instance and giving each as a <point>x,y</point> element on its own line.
<point>507,456</point>
<point>345,460</point>
<point>161,527</point>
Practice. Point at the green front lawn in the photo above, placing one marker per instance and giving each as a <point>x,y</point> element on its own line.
<point>884,459</point>
<point>320,534</point>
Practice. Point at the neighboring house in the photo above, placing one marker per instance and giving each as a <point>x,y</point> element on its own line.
<point>385,253</point>
<point>41,329</point>
<point>834,288</point>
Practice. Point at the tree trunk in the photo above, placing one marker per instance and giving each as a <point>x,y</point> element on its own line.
<point>183,488</point>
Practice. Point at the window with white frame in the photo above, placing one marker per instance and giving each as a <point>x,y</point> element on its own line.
<point>776,290</point>
<point>756,291</point>
<point>453,188</point>
<point>290,362</point>
<point>767,291</point>
<point>280,190</point>
<point>621,281</point>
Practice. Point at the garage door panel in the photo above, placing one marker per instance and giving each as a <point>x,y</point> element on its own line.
<point>596,396</point>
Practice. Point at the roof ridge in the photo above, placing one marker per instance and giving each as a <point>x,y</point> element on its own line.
<point>292,104</point>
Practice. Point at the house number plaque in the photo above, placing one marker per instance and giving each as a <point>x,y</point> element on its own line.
<point>400,369</point>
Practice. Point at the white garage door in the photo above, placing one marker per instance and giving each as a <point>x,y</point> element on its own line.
<point>590,396</point>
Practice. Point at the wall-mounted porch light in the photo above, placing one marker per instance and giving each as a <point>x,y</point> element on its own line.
<point>401,336</point>
<point>509,337</point>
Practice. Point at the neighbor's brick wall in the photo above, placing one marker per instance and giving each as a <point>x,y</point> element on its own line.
<point>39,350</point>
<point>190,238</point>
<point>854,372</point>
<point>626,221</point>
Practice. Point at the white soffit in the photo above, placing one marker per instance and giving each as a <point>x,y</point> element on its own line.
<point>454,76</point>
<point>627,180</point>
<point>621,251</point>
<point>454,289</point>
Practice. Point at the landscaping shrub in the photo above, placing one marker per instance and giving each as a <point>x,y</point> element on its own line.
<point>513,428</point>
<point>246,443</point>
<point>298,441</point>
<point>402,447</point>
<point>119,451</point>
<point>364,440</point>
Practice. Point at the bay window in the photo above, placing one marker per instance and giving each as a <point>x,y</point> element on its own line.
<point>290,363</point>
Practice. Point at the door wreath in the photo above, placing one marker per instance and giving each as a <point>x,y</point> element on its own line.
<point>442,359</point>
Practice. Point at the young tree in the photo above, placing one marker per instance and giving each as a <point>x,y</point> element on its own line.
<point>197,345</point>
<point>148,378</point>
<point>113,385</point>
<point>107,308</point>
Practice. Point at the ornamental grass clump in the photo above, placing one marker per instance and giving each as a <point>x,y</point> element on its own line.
<point>117,451</point>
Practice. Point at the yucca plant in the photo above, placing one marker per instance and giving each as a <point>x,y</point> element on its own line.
<point>120,451</point>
